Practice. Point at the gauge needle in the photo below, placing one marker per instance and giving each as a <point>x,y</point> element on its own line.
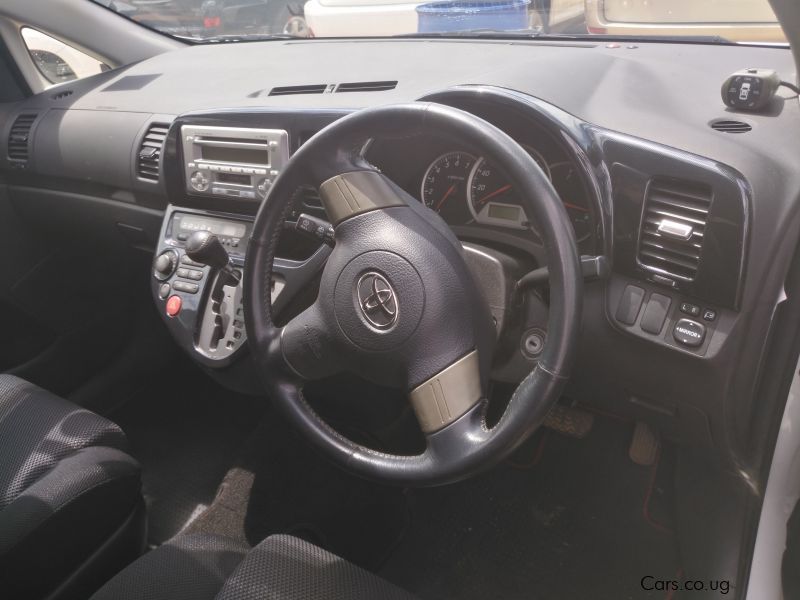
<point>575,207</point>
<point>445,197</point>
<point>505,188</point>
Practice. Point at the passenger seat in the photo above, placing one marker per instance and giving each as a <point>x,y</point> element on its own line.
<point>71,510</point>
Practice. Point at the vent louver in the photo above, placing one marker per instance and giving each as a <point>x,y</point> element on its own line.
<point>367,86</point>
<point>288,90</point>
<point>731,126</point>
<point>149,157</point>
<point>19,137</point>
<point>673,228</point>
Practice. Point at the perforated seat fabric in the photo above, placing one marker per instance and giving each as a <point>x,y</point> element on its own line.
<point>282,567</point>
<point>66,489</point>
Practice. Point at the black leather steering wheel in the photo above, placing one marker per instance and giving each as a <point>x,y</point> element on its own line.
<point>397,303</point>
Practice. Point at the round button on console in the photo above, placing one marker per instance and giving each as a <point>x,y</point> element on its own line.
<point>689,333</point>
<point>165,265</point>
<point>174,306</point>
<point>199,181</point>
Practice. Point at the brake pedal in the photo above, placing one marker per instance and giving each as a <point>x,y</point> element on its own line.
<point>570,421</point>
<point>645,445</point>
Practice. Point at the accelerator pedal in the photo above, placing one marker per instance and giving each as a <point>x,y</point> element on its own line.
<point>645,445</point>
<point>570,421</point>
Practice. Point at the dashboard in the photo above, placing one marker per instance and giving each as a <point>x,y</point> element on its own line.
<point>698,224</point>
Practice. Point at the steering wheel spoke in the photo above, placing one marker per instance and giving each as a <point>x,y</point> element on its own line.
<point>444,397</point>
<point>289,277</point>
<point>307,347</point>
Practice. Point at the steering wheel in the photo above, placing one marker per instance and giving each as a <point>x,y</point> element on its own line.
<point>397,303</point>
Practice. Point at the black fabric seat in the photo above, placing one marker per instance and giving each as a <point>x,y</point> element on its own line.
<point>282,567</point>
<point>71,512</point>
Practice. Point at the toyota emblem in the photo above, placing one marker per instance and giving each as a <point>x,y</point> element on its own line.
<point>377,300</point>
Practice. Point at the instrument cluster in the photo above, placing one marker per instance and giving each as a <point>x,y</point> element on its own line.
<point>465,189</point>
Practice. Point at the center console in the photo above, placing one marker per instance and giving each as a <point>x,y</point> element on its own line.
<point>200,313</point>
<point>218,168</point>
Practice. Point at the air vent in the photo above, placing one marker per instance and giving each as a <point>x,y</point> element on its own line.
<point>148,159</point>
<point>306,198</point>
<point>61,95</point>
<point>19,137</point>
<point>731,126</point>
<point>673,228</point>
<point>367,86</point>
<point>289,90</point>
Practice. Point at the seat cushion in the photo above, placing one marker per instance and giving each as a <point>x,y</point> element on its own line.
<point>69,495</point>
<point>282,567</point>
<point>188,567</point>
<point>38,429</point>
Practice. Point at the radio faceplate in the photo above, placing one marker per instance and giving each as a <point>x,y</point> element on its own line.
<point>238,162</point>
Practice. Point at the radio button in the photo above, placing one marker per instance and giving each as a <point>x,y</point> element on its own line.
<point>260,171</point>
<point>274,173</point>
<point>199,181</point>
<point>234,169</point>
<point>263,186</point>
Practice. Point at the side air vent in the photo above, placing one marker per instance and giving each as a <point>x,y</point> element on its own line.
<point>289,90</point>
<point>149,157</point>
<point>673,226</point>
<point>19,137</point>
<point>61,95</point>
<point>367,86</point>
<point>306,198</point>
<point>731,126</point>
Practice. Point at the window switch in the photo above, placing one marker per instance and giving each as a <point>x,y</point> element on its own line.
<point>629,305</point>
<point>655,313</point>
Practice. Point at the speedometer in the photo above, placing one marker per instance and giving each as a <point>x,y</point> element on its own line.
<point>444,186</point>
<point>492,200</point>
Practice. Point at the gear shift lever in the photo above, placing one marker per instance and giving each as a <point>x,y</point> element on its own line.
<point>204,247</point>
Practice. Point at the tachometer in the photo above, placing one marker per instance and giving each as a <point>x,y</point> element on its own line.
<point>444,186</point>
<point>570,188</point>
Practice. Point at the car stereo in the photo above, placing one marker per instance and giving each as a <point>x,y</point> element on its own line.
<point>238,162</point>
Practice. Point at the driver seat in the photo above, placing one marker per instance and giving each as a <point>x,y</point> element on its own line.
<point>282,567</point>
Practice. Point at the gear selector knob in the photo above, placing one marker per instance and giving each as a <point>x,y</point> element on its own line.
<point>204,247</point>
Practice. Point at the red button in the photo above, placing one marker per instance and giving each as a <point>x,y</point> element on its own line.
<point>174,305</point>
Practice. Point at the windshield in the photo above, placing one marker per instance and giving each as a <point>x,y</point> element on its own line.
<point>720,21</point>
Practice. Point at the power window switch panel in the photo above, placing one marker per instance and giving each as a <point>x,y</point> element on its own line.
<point>655,313</point>
<point>629,305</point>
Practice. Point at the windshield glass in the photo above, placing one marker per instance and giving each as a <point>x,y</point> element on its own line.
<point>232,20</point>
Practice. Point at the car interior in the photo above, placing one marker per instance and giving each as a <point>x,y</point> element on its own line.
<point>428,316</point>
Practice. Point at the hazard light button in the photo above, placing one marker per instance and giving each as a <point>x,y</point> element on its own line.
<point>174,305</point>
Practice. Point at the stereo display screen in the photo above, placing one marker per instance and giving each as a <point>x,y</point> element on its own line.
<point>236,155</point>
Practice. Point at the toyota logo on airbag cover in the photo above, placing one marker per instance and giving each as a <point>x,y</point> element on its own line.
<point>377,300</point>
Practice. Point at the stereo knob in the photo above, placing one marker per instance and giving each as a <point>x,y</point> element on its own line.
<point>165,265</point>
<point>199,181</point>
<point>262,187</point>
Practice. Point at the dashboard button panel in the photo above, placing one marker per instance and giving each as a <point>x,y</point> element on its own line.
<point>689,332</point>
<point>655,313</point>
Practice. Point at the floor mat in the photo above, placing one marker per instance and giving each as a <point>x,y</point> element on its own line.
<point>568,520</point>
<point>186,431</point>
<point>281,485</point>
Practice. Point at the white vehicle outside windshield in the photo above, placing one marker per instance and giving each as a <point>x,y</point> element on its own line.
<point>230,20</point>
